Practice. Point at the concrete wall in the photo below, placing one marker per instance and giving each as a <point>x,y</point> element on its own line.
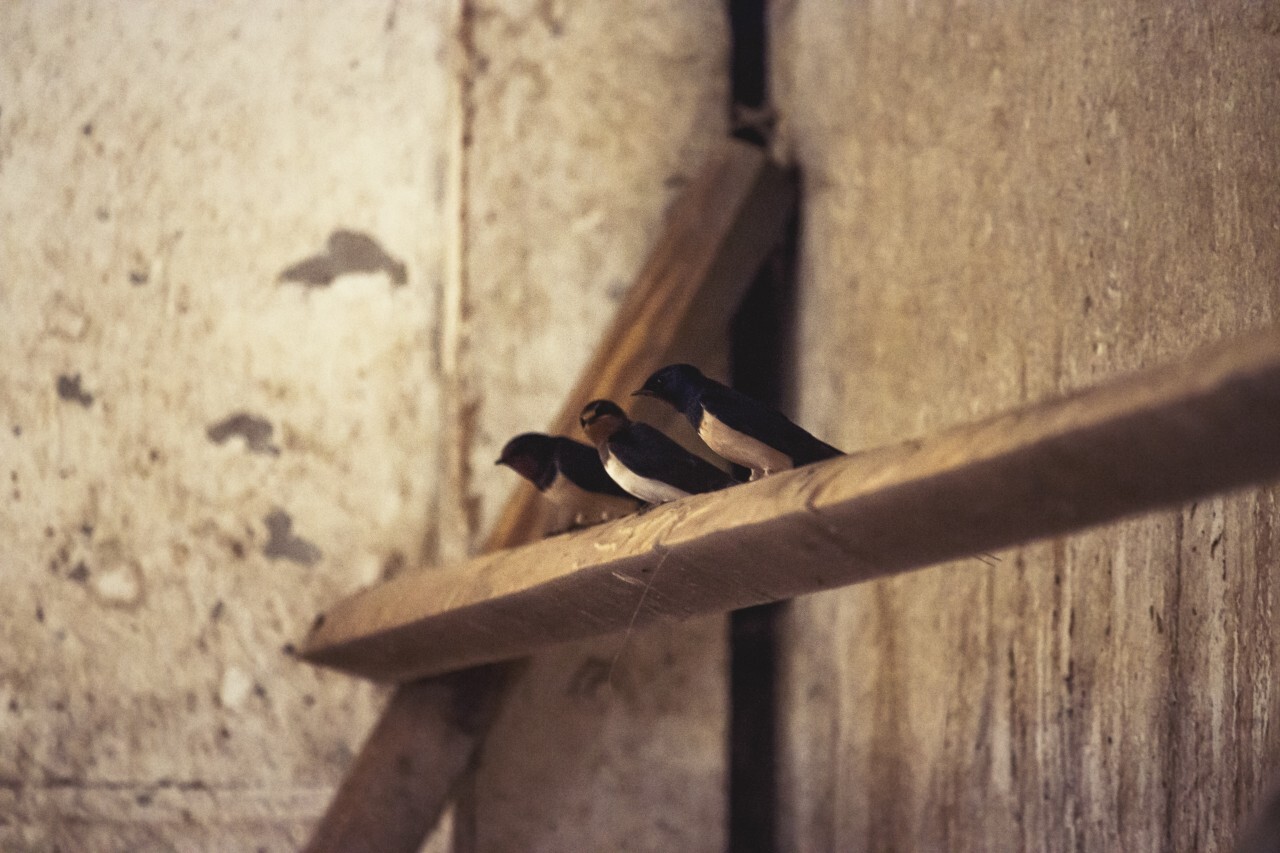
<point>1007,202</point>
<point>197,454</point>
<point>277,282</point>
<point>587,119</point>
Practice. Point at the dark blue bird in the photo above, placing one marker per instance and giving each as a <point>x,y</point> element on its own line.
<point>569,473</point>
<point>742,430</point>
<point>645,462</point>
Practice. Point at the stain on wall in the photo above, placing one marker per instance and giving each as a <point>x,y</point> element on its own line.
<point>255,431</point>
<point>283,544</point>
<point>69,389</point>
<point>345,252</point>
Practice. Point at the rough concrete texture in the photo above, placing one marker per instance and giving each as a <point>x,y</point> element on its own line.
<point>199,451</point>
<point>583,123</point>
<point>1007,202</point>
<point>581,128</point>
<point>276,286</point>
<point>615,744</point>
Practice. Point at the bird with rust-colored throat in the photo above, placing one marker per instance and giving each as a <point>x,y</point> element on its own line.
<point>568,473</point>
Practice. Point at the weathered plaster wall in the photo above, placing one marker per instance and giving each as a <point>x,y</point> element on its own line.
<point>276,284</point>
<point>1006,202</point>
<point>584,123</point>
<point>1003,204</point>
<point>198,454</point>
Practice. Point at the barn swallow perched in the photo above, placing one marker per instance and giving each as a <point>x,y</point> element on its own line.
<point>740,429</point>
<point>569,473</point>
<point>645,462</point>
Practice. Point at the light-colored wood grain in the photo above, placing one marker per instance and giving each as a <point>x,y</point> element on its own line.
<point>401,781</point>
<point>718,233</point>
<point>1151,440</point>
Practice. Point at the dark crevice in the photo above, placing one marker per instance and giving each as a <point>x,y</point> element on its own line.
<point>749,73</point>
<point>762,341</point>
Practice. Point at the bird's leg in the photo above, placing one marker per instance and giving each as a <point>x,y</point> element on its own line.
<point>576,522</point>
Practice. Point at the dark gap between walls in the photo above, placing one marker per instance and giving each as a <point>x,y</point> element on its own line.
<point>749,70</point>
<point>762,343</point>
<point>761,347</point>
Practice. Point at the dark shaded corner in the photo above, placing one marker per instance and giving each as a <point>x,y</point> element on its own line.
<point>762,347</point>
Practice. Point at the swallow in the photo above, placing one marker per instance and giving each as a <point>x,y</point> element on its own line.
<point>742,430</point>
<point>567,472</point>
<point>643,461</point>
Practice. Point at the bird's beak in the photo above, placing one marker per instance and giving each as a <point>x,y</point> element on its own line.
<point>643,392</point>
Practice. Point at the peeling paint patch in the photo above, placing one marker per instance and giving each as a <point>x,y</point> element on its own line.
<point>255,431</point>
<point>346,252</point>
<point>283,545</point>
<point>235,688</point>
<point>66,320</point>
<point>69,389</point>
<point>119,586</point>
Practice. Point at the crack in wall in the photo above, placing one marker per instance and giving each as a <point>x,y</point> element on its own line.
<point>460,516</point>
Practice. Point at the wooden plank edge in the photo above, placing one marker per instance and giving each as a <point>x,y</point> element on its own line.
<point>1150,440</point>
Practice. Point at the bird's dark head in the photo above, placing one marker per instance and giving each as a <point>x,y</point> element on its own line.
<point>676,384</point>
<point>532,456</point>
<point>602,418</point>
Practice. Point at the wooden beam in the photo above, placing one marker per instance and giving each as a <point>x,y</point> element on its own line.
<point>400,782</point>
<point>716,237</point>
<point>1150,440</point>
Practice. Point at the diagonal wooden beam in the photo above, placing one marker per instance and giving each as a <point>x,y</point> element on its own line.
<point>717,234</point>
<point>399,784</point>
<point>1150,440</point>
